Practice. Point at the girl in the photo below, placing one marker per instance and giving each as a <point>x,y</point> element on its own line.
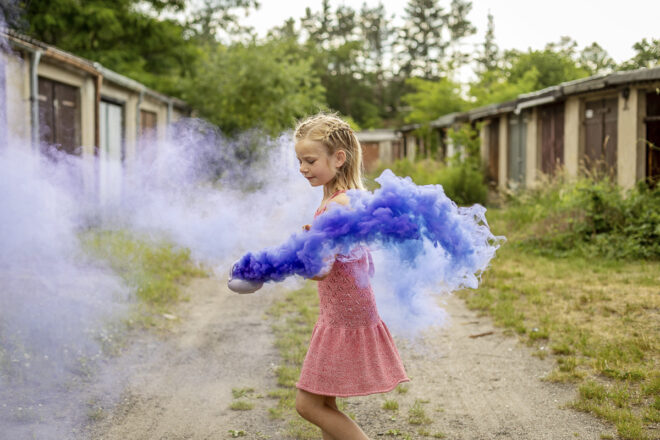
<point>351,352</point>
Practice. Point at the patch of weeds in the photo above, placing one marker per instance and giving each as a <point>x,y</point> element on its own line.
<point>155,269</point>
<point>390,405</point>
<point>402,388</point>
<point>241,405</point>
<point>237,433</point>
<point>417,415</point>
<point>237,393</point>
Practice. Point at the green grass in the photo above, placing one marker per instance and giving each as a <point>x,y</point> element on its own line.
<point>595,316</point>
<point>294,318</point>
<point>237,393</point>
<point>241,405</point>
<point>155,269</point>
<point>417,415</point>
<point>391,405</point>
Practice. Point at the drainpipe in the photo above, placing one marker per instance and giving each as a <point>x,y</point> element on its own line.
<point>137,118</point>
<point>169,119</point>
<point>4,132</point>
<point>34,97</point>
<point>97,114</point>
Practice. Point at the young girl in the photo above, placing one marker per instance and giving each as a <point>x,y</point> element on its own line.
<point>351,352</point>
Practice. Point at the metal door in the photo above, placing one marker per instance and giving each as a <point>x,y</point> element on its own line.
<point>494,150</point>
<point>111,152</point>
<point>552,137</point>
<point>59,116</point>
<point>600,125</point>
<point>652,121</point>
<point>517,146</point>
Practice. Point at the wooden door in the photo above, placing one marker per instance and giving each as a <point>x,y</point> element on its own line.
<point>652,121</point>
<point>552,137</point>
<point>600,125</point>
<point>59,116</point>
<point>517,147</point>
<point>494,151</point>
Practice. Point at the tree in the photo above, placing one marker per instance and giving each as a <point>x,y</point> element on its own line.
<point>247,85</point>
<point>432,99</point>
<point>595,60</point>
<point>421,38</point>
<point>488,58</point>
<point>647,55</point>
<point>429,40</point>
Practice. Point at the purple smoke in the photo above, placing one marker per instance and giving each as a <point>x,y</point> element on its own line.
<point>399,216</point>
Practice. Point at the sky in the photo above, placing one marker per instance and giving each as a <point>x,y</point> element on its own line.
<point>519,24</point>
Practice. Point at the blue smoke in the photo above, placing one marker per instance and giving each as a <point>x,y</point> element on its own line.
<point>418,223</point>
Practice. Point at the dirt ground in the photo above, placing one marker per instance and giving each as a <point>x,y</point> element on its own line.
<point>180,386</point>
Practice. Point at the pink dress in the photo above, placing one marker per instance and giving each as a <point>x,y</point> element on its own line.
<point>351,352</point>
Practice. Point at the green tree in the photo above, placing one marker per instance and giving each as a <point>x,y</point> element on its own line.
<point>595,60</point>
<point>647,55</point>
<point>432,99</point>
<point>429,41</point>
<point>247,85</point>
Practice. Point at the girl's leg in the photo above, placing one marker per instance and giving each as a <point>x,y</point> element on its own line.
<point>332,403</point>
<point>332,422</point>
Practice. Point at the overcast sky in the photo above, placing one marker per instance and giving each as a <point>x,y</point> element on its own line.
<point>519,24</point>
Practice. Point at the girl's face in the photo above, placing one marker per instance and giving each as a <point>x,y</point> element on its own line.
<point>316,165</point>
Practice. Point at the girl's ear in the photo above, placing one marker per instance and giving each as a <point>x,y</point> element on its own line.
<point>340,157</point>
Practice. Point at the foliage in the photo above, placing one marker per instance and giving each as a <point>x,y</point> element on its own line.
<point>253,85</point>
<point>589,216</point>
<point>155,269</point>
<point>432,99</point>
<point>647,55</point>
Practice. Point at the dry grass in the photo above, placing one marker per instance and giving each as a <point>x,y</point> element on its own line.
<point>598,318</point>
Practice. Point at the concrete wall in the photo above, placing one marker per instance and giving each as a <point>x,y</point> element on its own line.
<point>504,150</point>
<point>533,156</point>
<point>572,122</point>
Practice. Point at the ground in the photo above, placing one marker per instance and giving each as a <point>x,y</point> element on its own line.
<point>487,387</point>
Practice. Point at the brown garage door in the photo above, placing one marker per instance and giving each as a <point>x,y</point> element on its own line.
<point>552,137</point>
<point>600,124</point>
<point>59,115</point>
<point>652,138</point>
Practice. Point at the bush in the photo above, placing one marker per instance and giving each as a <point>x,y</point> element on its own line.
<point>591,216</point>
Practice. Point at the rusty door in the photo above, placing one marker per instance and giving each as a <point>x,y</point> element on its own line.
<point>652,122</point>
<point>600,126</point>
<point>148,124</point>
<point>517,147</point>
<point>552,137</point>
<point>59,115</point>
<point>494,151</point>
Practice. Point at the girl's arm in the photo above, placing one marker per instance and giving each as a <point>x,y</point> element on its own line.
<point>341,199</point>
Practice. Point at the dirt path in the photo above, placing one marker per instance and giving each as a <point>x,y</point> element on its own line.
<point>473,388</point>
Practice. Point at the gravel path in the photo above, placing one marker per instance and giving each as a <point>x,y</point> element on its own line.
<point>180,386</point>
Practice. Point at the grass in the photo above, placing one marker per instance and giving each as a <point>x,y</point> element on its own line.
<point>597,318</point>
<point>294,319</point>
<point>241,405</point>
<point>417,415</point>
<point>390,405</point>
<point>155,269</point>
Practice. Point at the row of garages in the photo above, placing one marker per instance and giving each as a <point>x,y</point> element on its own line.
<point>609,123</point>
<point>606,124</point>
<point>52,97</point>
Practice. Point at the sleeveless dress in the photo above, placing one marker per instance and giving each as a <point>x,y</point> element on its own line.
<point>351,352</point>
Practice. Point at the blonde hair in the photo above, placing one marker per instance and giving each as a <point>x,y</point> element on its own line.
<point>335,134</point>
